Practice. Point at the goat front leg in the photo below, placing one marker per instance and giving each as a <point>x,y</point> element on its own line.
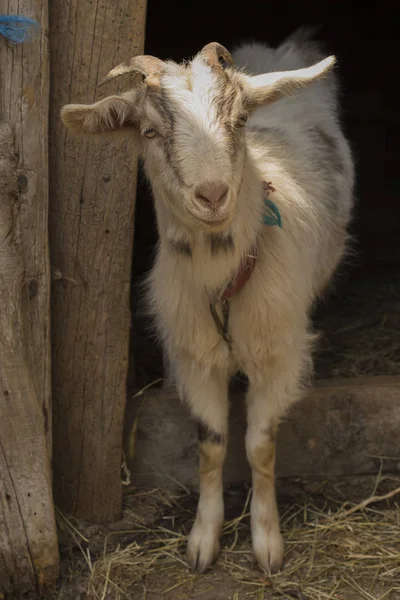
<point>265,529</point>
<point>266,400</point>
<point>207,397</point>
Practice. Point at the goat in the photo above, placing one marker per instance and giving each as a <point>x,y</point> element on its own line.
<point>221,145</point>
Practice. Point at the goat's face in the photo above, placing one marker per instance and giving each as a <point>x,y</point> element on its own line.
<point>193,142</point>
<point>188,121</point>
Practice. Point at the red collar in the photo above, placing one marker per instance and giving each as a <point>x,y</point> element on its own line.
<point>247,266</point>
<point>243,274</point>
<point>239,280</point>
<point>241,277</point>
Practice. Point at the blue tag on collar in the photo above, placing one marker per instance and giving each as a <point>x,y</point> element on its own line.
<point>273,217</point>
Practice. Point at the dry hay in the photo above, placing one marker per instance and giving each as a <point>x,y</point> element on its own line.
<point>331,553</point>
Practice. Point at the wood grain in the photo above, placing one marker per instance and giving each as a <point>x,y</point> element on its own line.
<point>92,191</point>
<point>29,559</point>
<point>24,103</point>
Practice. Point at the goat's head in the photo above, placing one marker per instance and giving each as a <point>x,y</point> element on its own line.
<point>188,120</point>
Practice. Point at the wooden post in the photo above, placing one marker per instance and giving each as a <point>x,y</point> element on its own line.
<point>28,539</point>
<point>29,560</point>
<point>24,103</point>
<point>92,191</point>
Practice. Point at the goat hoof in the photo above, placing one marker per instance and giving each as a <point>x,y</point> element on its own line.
<point>268,549</point>
<point>203,548</point>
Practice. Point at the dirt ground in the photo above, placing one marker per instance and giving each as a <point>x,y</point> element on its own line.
<point>333,550</point>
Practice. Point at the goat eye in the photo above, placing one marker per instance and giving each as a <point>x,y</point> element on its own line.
<point>150,132</point>
<point>242,120</point>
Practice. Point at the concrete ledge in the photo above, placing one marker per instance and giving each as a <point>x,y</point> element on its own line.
<point>340,428</point>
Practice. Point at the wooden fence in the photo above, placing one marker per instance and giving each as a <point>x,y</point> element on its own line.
<point>66,234</point>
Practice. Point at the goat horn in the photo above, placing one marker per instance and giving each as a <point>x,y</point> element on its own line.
<point>147,66</point>
<point>213,51</point>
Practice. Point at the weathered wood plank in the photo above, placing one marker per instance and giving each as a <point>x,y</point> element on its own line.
<point>28,539</point>
<point>24,103</point>
<point>92,187</point>
<point>340,428</point>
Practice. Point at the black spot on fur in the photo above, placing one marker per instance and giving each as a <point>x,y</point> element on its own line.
<point>208,435</point>
<point>221,243</point>
<point>181,247</point>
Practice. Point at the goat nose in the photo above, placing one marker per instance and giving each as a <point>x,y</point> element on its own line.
<point>211,192</point>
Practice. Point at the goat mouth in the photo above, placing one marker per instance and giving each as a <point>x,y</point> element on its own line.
<point>213,222</point>
<point>216,220</point>
<point>216,223</point>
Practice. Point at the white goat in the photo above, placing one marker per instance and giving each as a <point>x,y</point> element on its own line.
<point>218,253</point>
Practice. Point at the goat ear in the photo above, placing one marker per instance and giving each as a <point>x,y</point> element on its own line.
<point>269,87</point>
<point>106,116</point>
